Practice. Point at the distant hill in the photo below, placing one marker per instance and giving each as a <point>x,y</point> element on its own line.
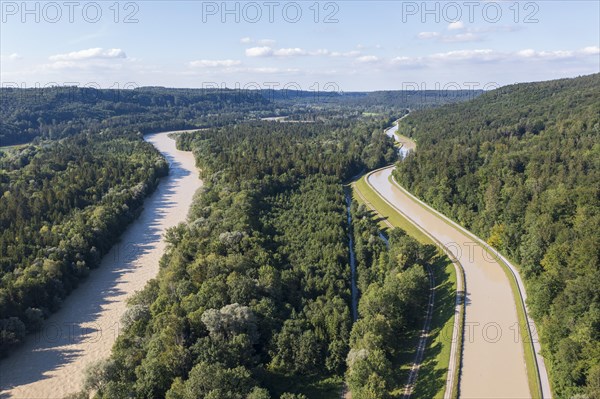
<point>63,111</point>
<point>520,165</point>
<point>413,99</point>
<point>57,112</point>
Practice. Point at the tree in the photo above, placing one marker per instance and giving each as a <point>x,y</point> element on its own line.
<point>229,321</point>
<point>211,379</point>
<point>369,375</point>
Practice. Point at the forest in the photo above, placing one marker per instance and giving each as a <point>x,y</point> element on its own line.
<point>253,296</point>
<point>70,192</point>
<point>394,289</point>
<point>62,206</point>
<point>520,166</point>
<point>56,112</point>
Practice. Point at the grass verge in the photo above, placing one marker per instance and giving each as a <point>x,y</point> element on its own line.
<point>365,195</point>
<point>431,382</point>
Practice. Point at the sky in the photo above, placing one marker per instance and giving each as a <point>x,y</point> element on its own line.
<point>309,45</point>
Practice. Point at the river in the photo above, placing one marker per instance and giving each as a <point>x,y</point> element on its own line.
<point>493,362</point>
<point>353,288</point>
<point>50,364</point>
<point>406,145</point>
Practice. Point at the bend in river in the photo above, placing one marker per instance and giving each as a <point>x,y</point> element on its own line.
<point>51,362</point>
<point>406,145</point>
<point>493,362</point>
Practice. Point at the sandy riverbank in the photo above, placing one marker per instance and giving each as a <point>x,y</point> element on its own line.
<point>50,364</point>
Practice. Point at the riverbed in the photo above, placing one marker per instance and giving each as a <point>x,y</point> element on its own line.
<point>405,145</point>
<point>50,364</point>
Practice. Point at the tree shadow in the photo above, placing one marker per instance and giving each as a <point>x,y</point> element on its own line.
<point>431,379</point>
<point>76,328</point>
<point>316,387</point>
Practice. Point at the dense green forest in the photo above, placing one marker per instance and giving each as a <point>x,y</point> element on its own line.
<point>67,197</point>
<point>62,206</point>
<point>520,166</point>
<point>56,112</point>
<point>253,296</point>
<point>394,290</point>
<point>376,101</point>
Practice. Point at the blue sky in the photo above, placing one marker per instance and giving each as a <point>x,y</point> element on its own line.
<point>346,45</point>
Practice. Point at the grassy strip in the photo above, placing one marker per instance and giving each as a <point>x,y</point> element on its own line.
<point>431,382</point>
<point>460,337</point>
<point>386,212</point>
<point>533,376</point>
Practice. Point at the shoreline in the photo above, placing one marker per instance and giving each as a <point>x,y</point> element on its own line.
<point>50,363</point>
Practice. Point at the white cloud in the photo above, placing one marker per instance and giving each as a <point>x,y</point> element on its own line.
<point>245,40</point>
<point>12,57</point>
<point>92,53</point>
<point>265,70</point>
<point>321,51</point>
<point>461,37</point>
<point>528,53</point>
<point>428,35</point>
<point>93,59</point>
<point>268,51</point>
<point>367,59</point>
<point>593,50</point>
<point>214,63</point>
<point>271,70</point>
<point>461,55</point>
<point>346,54</point>
<point>496,29</point>
<point>403,60</point>
<point>557,54</point>
<point>264,51</point>
<point>85,65</point>
<point>456,25</point>
<point>470,34</point>
<point>487,55</point>
<point>482,55</point>
<point>288,52</point>
<point>456,38</point>
<point>365,47</point>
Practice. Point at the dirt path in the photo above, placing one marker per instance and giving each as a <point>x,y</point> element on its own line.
<point>493,358</point>
<point>50,364</point>
<point>425,331</point>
